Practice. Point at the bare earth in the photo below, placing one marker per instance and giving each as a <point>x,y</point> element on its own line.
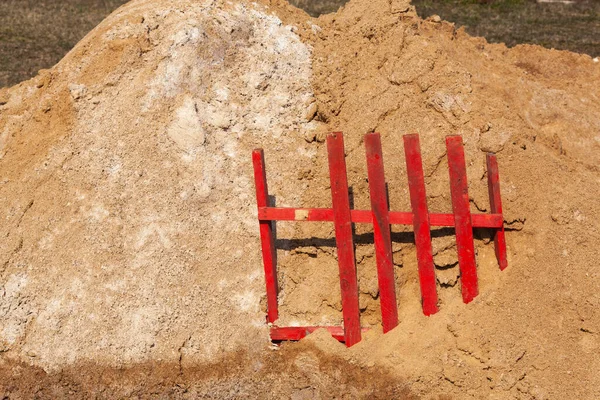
<point>130,259</point>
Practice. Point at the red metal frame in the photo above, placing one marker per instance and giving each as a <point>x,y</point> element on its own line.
<point>462,217</point>
<point>267,237</point>
<point>343,237</point>
<point>421,224</point>
<point>299,332</point>
<point>381,218</point>
<point>381,232</point>
<point>496,207</point>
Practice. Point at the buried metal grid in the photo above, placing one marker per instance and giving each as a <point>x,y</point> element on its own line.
<point>381,217</point>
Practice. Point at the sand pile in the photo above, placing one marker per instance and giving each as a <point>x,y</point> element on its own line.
<point>129,244</point>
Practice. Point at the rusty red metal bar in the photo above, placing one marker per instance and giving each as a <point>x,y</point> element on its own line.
<point>343,237</point>
<point>462,217</point>
<point>298,332</point>
<point>267,238</point>
<point>381,217</point>
<point>381,232</point>
<point>496,207</point>
<point>418,200</point>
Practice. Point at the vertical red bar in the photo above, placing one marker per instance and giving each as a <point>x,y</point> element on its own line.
<point>381,232</point>
<point>418,201</point>
<point>496,208</point>
<point>266,235</point>
<point>343,237</point>
<point>462,217</point>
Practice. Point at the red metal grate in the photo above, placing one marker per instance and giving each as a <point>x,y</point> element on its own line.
<point>381,218</point>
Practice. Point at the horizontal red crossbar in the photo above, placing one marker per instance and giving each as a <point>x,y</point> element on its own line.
<point>299,332</point>
<point>366,217</point>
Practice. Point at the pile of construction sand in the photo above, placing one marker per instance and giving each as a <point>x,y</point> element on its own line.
<point>129,252</point>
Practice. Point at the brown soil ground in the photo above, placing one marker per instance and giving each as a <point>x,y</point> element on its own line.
<point>130,254</point>
<point>299,371</point>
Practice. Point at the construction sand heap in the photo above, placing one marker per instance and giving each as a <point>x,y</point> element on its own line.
<point>129,249</point>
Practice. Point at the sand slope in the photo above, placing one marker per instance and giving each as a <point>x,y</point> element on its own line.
<point>129,239</point>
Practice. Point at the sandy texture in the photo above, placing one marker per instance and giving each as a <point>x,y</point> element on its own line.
<point>533,332</point>
<point>129,222</point>
<point>301,372</point>
<point>129,235</point>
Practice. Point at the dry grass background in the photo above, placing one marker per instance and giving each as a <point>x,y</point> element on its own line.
<point>574,27</point>
<point>37,34</point>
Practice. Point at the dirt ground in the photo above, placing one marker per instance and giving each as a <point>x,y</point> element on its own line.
<point>130,258</point>
<point>298,372</point>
